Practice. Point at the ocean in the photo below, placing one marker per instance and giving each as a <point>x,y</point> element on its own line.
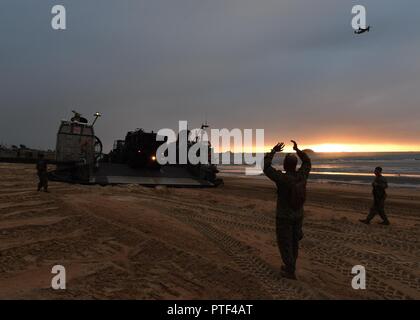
<point>401,169</point>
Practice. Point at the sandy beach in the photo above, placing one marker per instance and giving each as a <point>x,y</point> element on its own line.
<point>131,242</point>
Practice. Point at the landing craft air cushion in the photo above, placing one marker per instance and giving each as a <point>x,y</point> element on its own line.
<point>79,159</point>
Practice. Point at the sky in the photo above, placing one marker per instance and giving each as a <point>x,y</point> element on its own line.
<point>291,67</point>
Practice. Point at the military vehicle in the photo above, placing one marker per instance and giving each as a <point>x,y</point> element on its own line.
<point>138,150</point>
<point>78,150</point>
<point>79,159</point>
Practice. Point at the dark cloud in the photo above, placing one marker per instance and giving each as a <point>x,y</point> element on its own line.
<point>291,67</point>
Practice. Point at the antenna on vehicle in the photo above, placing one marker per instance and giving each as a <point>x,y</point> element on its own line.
<point>96,115</point>
<point>204,126</point>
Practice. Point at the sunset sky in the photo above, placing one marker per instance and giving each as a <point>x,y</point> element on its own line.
<point>291,67</point>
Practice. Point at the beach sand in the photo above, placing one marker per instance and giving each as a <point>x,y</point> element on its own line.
<point>131,242</point>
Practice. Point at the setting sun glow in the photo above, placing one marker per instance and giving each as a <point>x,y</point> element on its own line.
<point>362,148</point>
<point>344,147</point>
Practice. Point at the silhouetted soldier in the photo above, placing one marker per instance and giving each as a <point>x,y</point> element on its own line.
<point>379,195</point>
<point>291,195</point>
<point>41,168</point>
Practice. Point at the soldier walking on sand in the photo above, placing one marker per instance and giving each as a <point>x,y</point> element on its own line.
<point>291,195</point>
<point>41,168</point>
<point>379,195</point>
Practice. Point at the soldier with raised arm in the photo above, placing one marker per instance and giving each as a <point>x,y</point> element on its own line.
<point>291,195</point>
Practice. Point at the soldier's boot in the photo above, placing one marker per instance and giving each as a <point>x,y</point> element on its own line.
<point>287,274</point>
<point>385,220</point>
<point>45,184</point>
<point>370,216</point>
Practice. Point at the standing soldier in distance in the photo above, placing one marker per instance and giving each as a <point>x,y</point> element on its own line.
<point>41,168</point>
<point>379,195</point>
<point>291,195</point>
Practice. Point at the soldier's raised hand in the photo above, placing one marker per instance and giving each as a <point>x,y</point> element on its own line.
<point>295,146</point>
<point>279,147</point>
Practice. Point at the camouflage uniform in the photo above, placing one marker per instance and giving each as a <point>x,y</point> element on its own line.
<point>288,221</point>
<point>41,168</point>
<point>379,195</point>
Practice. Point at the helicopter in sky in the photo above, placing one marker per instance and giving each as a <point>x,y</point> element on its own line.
<point>362,30</point>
